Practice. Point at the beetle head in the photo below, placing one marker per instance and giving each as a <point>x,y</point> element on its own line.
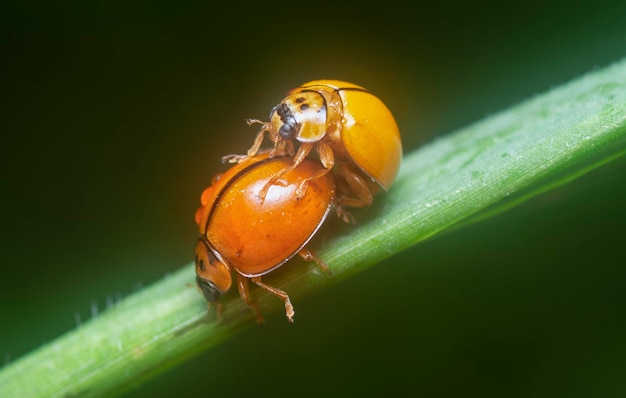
<point>300,116</point>
<point>212,273</point>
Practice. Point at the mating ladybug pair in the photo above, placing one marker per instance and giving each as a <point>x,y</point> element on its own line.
<point>264,210</point>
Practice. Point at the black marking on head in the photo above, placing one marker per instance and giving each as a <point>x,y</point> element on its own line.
<point>210,256</point>
<point>200,263</point>
<point>284,113</point>
<point>316,92</point>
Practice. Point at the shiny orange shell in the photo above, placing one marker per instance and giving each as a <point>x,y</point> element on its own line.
<point>254,236</point>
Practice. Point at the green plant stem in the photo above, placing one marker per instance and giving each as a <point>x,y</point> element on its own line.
<point>467,176</point>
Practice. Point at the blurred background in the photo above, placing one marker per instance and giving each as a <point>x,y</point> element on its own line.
<point>114,119</point>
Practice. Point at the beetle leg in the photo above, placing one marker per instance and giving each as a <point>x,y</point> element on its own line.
<point>244,292</point>
<point>358,186</point>
<point>282,148</point>
<point>359,193</point>
<point>290,149</point>
<point>346,216</point>
<point>289,312</point>
<point>250,122</point>
<point>302,153</point>
<point>255,146</point>
<point>327,158</point>
<point>308,255</point>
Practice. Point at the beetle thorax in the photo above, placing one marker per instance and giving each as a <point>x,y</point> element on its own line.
<point>301,116</point>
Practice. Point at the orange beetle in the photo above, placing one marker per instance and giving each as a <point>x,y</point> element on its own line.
<point>241,232</point>
<point>349,128</point>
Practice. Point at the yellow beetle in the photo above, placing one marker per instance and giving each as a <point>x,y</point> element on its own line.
<point>351,130</point>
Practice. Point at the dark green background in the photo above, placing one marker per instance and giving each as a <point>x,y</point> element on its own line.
<point>114,118</point>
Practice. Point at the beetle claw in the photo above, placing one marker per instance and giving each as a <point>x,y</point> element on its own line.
<point>263,193</point>
<point>250,122</point>
<point>234,158</point>
<point>301,190</point>
<point>346,216</point>
<point>289,311</point>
